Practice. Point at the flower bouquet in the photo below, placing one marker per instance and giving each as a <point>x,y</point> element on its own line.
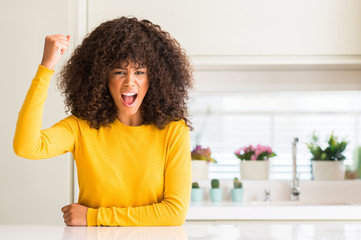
<point>254,161</point>
<point>257,153</point>
<point>199,153</point>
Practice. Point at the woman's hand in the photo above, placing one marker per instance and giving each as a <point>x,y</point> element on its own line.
<point>75,215</point>
<point>54,47</point>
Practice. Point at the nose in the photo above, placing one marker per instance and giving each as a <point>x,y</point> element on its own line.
<point>129,80</point>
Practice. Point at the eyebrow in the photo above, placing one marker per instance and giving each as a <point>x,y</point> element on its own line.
<point>125,68</point>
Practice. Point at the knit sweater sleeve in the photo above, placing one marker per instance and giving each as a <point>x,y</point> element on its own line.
<point>30,141</point>
<point>172,210</point>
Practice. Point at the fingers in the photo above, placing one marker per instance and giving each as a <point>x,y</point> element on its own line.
<point>75,214</point>
<point>55,46</point>
<point>61,36</point>
<point>65,208</point>
<point>57,41</point>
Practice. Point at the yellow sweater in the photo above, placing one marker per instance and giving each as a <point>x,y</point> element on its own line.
<point>127,176</point>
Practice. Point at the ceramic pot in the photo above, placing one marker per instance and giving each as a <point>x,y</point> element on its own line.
<point>237,194</point>
<point>328,170</point>
<point>199,170</point>
<point>254,170</point>
<point>216,194</point>
<point>197,195</point>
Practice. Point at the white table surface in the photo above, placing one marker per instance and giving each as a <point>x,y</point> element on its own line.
<point>247,211</point>
<point>247,230</point>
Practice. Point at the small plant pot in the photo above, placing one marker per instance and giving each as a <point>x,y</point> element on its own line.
<point>216,194</point>
<point>255,170</point>
<point>197,195</point>
<point>199,170</point>
<point>328,170</point>
<point>237,194</point>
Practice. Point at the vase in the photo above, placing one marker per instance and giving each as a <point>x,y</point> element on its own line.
<point>328,170</point>
<point>216,194</point>
<point>237,194</point>
<point>197,195</point>
<point>199,170</point>
<point>254,170</point>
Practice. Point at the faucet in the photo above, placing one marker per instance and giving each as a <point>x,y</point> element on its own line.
<point>267,195</point>
<point>295,190</point>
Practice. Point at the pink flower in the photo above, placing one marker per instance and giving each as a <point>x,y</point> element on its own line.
<point>251,147</point>
<point>258,152</point>
<point>268,149</point>
<point>238,152</point>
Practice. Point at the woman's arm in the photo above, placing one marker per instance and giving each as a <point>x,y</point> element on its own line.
<point>29,140</point>
<point>173,209</point>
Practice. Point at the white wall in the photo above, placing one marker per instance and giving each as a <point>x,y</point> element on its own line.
<point>30,191</point>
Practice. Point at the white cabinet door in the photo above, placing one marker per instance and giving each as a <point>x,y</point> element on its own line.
<point>247,28</point>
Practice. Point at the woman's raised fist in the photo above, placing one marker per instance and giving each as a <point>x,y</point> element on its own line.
<point>54,47</point>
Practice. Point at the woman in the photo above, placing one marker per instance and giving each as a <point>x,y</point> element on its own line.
<point>126,87</point>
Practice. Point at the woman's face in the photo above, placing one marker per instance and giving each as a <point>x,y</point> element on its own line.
<point>128,84</point>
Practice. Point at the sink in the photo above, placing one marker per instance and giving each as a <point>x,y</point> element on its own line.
<point>296,203</point>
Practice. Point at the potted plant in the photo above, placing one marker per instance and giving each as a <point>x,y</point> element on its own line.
<point>197,193</point>
<point>254,161</point>
<point>216,193</point>
<point>327,158</point>
<point>237,191</point>
<point>201,157</point>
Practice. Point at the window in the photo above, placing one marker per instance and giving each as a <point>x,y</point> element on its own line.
<point>227,121</point>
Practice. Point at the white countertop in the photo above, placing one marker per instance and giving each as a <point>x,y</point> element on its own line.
<point>272,211</point>
<point>255,230</point>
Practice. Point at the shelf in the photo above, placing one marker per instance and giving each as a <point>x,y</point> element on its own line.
<point>235,63</point>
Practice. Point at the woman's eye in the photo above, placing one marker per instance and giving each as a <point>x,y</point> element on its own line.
<point>119,72</point>
<point>139,72</point>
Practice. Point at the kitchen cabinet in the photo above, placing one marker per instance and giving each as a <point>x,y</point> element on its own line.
<point>243,33</point>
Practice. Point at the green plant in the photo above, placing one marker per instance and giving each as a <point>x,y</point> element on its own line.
<point>215,183</point>
<point>331,152</point>
<point>199,153</point>
<point>195,185</point>
<point>237,183</point>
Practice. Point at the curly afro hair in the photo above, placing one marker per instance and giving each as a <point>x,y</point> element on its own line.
<point>84,78</point>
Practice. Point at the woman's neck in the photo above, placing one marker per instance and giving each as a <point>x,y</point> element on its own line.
<point>133,120</point>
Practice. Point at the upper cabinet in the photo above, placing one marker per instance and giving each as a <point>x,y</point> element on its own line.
<point>242,32</point>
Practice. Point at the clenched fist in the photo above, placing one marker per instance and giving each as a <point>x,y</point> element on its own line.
<point>54,47</point>
<point>75,214</point>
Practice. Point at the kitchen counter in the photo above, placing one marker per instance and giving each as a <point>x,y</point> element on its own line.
<point>305,230</point>
<point>280,210</point>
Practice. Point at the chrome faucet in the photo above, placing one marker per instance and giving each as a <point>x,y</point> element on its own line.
<point>295,190</point>
<point>267,195</point>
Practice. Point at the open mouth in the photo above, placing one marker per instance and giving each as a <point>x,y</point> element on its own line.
<point>129,99</point>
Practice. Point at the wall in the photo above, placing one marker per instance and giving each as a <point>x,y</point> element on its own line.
<point>30,191</point>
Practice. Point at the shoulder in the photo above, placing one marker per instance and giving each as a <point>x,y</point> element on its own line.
<point>177,126</point>
<point>74,123</point>
<point>177,130</point>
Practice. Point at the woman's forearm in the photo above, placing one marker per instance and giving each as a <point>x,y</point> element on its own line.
<point>27,140</point>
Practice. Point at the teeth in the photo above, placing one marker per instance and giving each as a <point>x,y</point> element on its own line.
<point>129,94</point>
